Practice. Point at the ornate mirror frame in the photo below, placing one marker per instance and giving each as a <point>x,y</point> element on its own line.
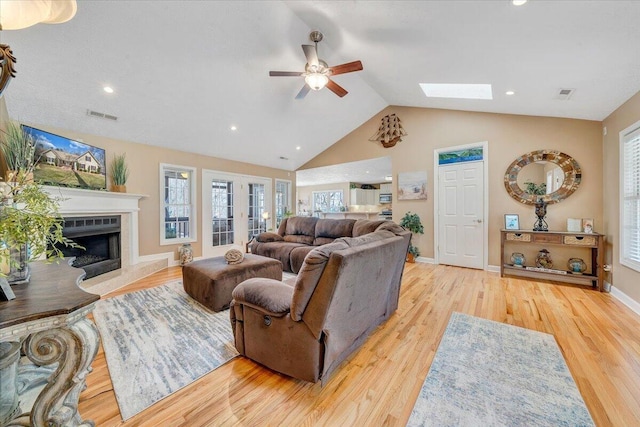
<point>570,168</point>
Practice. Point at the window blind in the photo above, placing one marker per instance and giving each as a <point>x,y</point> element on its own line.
<point>630,209</point>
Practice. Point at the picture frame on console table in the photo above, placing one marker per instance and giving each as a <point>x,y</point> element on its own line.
<point>587,225</point>
<point>6,293</point>
<point>511,222</point>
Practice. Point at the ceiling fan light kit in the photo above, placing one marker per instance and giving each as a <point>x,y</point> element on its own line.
<point>317,73</point>
<point>316,81</point>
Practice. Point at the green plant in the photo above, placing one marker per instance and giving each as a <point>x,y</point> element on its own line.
<point>18,148</point>
<point>411,221</point>
<point>30,216</point>
<point>538,190</point>
<point>119,169</point>
<point>287,213</point>
<point>413,250</point>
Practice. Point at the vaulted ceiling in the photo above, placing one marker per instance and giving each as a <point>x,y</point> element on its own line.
<point>184,72</point>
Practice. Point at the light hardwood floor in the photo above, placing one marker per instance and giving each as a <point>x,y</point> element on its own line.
<point>378,385</point>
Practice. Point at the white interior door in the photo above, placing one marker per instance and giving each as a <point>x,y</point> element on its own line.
<point>232,208</point>
<point>461,214</point>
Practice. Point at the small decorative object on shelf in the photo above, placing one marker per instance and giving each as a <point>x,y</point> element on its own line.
<point>541,213</point>
<point>574,225</point>
<point>576,265</point>
<point>518,259</point>
<point>543,260</point>
<point>587,225</point>
<point>511,222</point>
<point>186,253</point>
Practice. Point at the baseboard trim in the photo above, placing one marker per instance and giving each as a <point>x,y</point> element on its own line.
<point>169,256</point>
<point>493,268</point>
<point>624,298</point>
<point>425,260</point>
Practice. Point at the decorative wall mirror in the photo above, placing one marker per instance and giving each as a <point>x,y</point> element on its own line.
<point>559,173</point>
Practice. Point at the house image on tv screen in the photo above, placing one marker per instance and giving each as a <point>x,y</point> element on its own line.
<point>64,162</point>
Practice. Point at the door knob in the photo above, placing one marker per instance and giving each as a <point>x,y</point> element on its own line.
<point>479,221</point>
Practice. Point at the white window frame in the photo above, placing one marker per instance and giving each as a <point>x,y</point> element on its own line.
<point>193,217</point>
<point>632,133</point>
<point>288,205</point>
<point>313,198</point>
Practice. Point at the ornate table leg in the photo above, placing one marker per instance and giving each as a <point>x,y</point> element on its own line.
<point>74,347</point>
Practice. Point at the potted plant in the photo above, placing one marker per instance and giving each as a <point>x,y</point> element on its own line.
<point>411,221</point>
<point>119,173</point>
<point>18,150</point>
<point>30,227</point>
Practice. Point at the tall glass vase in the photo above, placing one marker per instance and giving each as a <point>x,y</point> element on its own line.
<point>19,271</point>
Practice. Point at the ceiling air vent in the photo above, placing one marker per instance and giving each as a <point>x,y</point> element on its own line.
<point>564,94</point>
<point>101,115</point>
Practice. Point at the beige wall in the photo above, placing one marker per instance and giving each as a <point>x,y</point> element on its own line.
<point>508,136</point>
<point>144,162</point>
<point>624,278</point>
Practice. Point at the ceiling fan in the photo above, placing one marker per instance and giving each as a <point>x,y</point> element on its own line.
<point>317,73</point>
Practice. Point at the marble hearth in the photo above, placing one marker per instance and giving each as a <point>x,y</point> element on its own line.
<point>82,203</point>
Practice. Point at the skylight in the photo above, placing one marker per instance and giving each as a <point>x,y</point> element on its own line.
<point>463,91</point>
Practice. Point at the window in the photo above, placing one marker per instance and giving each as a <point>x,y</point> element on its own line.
<point>327,201</point>
<point>177,195</point>
<point>630,197</point>
<point>283,200</point>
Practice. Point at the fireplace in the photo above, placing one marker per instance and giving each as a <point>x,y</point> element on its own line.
<point>100,236</point>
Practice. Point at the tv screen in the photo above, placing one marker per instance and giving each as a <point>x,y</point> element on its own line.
<point>64,162</point>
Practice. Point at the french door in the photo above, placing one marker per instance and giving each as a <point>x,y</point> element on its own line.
<point>235,208</point>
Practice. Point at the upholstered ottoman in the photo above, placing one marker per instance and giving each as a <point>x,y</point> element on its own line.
<point>211,281</point>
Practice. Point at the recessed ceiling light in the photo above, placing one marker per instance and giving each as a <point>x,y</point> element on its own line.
<point>462,91</point>
<point>298,147</point>
<point>233,127</point>
<point>367,171</point>
<point>510,92</point>
<point>518,2</point>
<point>108,89</point>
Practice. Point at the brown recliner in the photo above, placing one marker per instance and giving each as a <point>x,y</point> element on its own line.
<point>343,291</point>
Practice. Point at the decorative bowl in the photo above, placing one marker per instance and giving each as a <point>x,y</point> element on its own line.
<point>518,259</point>
<point>576,265</point>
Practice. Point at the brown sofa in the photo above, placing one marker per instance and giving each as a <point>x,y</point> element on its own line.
<point>298,235</point>
<point>343,291</point>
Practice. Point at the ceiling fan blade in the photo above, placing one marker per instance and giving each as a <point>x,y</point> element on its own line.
<point>303,92</point>
<point>311,54</point>
<point>336,88</point>
<point>349,67</point>
<point>285,73</point>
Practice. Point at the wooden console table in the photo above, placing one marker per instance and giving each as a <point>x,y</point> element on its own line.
<point>47,323</point>
<point>583,242</point>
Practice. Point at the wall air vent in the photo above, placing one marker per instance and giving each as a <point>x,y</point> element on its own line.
<point>564,94</point>
<point>101,115</point>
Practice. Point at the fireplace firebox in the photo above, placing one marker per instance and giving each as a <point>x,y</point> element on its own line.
<point>100,236</point>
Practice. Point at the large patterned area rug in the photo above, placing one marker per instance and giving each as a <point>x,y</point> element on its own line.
<point>486,373</point>
<point>157,341</point>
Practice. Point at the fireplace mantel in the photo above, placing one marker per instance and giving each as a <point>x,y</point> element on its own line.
<point>81,202</point>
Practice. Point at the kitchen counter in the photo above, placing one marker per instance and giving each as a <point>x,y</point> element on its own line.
<point>350,215</point>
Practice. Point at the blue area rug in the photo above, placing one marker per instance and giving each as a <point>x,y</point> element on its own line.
<point>159,340</point>
<point>487,373</point>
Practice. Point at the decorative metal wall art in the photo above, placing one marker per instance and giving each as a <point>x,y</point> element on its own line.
<point>390,131</point>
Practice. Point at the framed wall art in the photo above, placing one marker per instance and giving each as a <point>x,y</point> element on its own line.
<point>412,185</point>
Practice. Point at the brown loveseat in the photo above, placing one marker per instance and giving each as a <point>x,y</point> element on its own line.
<point>343,291</point>
<point>298,235</point>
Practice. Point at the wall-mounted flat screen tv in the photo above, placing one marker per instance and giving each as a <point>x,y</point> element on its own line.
<point>64,162</point>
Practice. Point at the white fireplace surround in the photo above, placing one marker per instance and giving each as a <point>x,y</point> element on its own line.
<point>81,202</point>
